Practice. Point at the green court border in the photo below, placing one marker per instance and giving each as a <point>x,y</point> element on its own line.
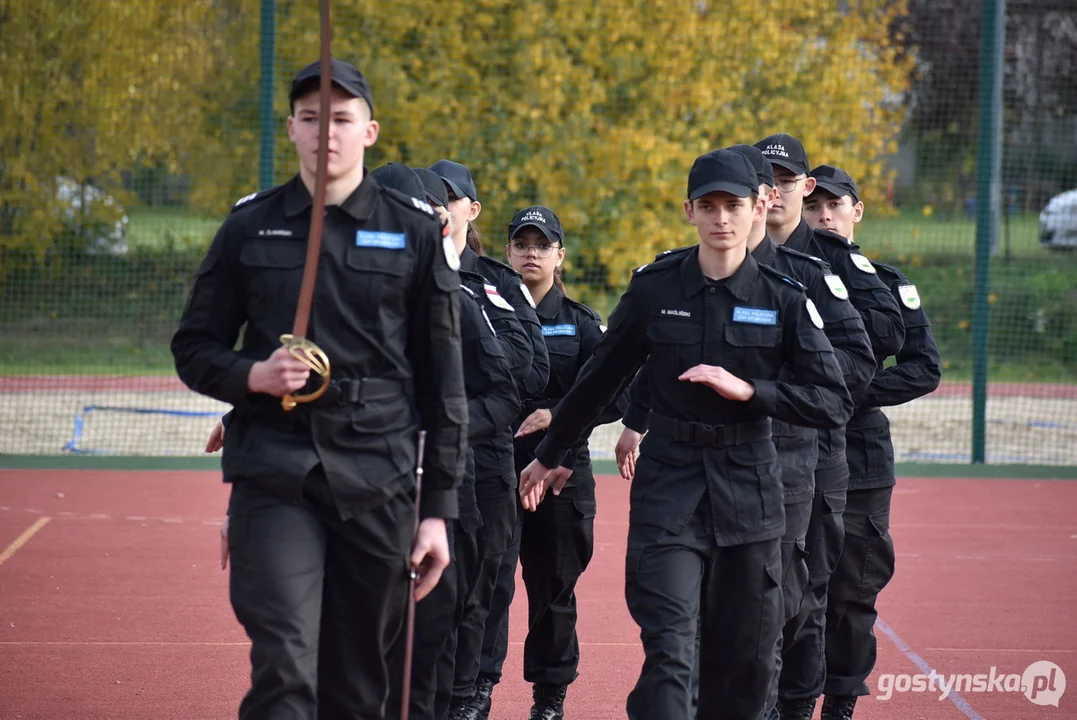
<point>602,467</point>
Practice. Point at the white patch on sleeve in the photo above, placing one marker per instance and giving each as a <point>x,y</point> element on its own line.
<point>837,287</point>
<point>909,297</point>
<point>862,263</point>
<point>450,252</point>
<point>496,299</point>
<point>813,313</point>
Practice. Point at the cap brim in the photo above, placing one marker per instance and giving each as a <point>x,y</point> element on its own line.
<point>723,186</point>
<point>835,189</point>
<point>453,187</point>
<point>550,234</point>
<point>788,165</point>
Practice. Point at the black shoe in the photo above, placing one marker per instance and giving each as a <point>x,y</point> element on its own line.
<point>481,702</point>
<point>838,707</point>
<point>549,702</point>
<point>801,709</point>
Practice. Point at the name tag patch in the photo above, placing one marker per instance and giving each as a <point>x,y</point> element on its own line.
<point>558,330</point>
<point>384,240</point>
<point>755,316</point>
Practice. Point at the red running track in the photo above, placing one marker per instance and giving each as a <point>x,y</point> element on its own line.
<point>115,608</point>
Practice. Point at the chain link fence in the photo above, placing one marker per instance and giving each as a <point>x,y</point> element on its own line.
<point>130,129</point>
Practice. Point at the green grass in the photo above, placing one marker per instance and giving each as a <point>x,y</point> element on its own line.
<point>116,316</point>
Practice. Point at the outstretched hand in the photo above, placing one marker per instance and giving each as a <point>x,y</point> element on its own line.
<point>536,479</point>
<point>720,381</point>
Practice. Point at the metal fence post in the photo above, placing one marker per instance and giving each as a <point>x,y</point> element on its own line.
<point>988,167</point>
<point>267,38</point>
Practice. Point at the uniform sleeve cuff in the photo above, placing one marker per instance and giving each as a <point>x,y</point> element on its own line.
<point>550,456</point>
<point>235,385</point>
<point>637,419</point>
<point>765,398</point>
<point>440,504</point>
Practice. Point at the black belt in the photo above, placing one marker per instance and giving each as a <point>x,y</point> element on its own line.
<point>709,435</point>
<point>356,391</point>
<point>867,417</point>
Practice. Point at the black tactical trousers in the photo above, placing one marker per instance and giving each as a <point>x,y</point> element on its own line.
<point>803,637</point>
<point>495,641</point>
<point>498,508</point>
<point>674,582</point>
<point>321,599</point>
<point>436,618</point>
<point>865,568</point>
<point>556,545</point>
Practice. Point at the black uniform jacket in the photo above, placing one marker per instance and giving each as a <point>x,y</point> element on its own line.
<point>916,372</point>
<point>753,323</point>
<point>572,331</point>
<point>386,312</point>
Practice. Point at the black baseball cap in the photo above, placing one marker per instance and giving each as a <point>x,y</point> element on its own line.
<point>457,177</point>
<point>722,171</point>
<point>785,150</point>
<point>763,169</point>
<point>835,181</point>
<point>541,217</point>
<point>345,76</point>
<point>399,177</point>
<point>435,187</point>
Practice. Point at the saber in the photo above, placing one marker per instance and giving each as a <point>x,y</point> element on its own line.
<point>302,349</point>
<point>409,622</point>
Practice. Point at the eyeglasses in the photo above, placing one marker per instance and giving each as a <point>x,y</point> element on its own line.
<point>520,249</point>
<point>787,184</point>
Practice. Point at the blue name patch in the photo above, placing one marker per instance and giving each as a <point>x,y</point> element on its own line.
<point>755,316</point>
<point>552,330</point>
<point>388,241</point>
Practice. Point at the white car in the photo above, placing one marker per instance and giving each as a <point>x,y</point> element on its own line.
<point>103,219</point>
<point>1058,221</point>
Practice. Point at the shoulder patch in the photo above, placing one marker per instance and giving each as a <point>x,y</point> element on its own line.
<point>862,263</point>
<point>527,295</point>
<point>782,276</point>
<point>495,298</point>
<point>449,248</point>
<point>910,298</point>
<point>813,313</point>
<point>488,323</point>
<point>837,287</point>
<point>603,328</point>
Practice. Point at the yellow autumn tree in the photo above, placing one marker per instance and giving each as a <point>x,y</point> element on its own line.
<point>598,109</point>
<point>90,89</point>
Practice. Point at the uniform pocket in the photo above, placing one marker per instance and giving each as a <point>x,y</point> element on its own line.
<point>272,271</point>
<point>755,485</point>
<point>375,277</point>
<point>676,345</point>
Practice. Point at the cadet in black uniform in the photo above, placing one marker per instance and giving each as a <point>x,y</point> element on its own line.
<point>557,540</point>
<point>493,403</point>
<point>322,504</point>
<point>802,643</point>
<point>495,470</point>
<point>795,445</point>
<point>867,558</point>
<point>706,519</point>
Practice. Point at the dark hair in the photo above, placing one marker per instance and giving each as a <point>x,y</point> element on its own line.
<point>474,239</point>
<point>557,279</point>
